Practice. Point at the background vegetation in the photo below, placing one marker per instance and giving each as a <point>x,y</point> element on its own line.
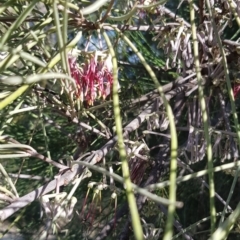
<point>119,119</point>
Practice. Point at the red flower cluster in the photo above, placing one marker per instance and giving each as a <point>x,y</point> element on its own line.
<point>94,80</point>
<point>236,90</point>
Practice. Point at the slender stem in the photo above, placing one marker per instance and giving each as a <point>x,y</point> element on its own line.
<point>105,16</point>
<point>60,37</point>
<point>93,7</point>
<point>204,117</point>
<point>193,226</point>
<point>8,179</point>
<point>195,175</point>
<point>65,36</point>
<point>233,107</point>
<point>233,9</point>
<point>222,232</point>
<point>45,136</point>
<point>9,99</point>
<point>137,228</point>
<point>120,179</point>
<point>174,142</point>
<point>17,23</point>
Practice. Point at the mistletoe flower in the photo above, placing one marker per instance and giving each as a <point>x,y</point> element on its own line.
<point>236,90</point>
<point>94,80</point>
<point>75,74</point>
<point>104,77</point>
